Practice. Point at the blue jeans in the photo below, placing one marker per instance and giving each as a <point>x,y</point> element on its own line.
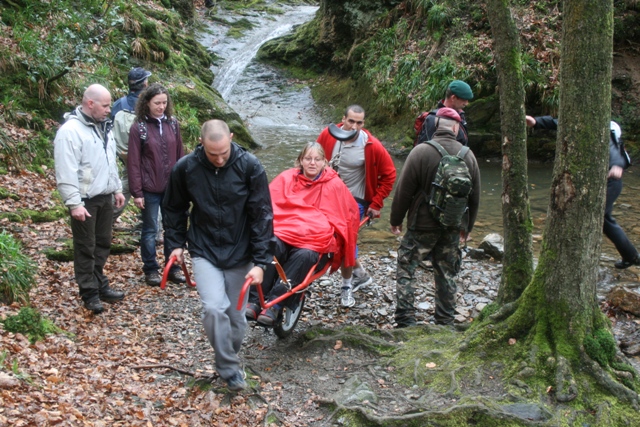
<point>152,204</point>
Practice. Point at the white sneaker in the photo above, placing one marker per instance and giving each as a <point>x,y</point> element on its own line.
<point>359,281</point>
<point>347,299</point>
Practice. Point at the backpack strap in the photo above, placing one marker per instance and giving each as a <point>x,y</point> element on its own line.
<point>142,127</point>
<point>174,125</point>
<point>439,147</point>
<point>463,152</point>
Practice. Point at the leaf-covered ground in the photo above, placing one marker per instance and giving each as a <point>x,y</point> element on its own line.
<point>146,362</point>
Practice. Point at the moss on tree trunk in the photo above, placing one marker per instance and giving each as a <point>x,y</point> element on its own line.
<point>516,214</point>
<point>557,315</point>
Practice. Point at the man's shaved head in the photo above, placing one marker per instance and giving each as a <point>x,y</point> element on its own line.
<point>214,131</point>
<point>96,102</point>
<point>216,142</point>
<point>95,92</point>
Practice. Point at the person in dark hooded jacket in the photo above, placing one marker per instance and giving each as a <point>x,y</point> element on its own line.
<point>618,162</point>
<point>217,203</point>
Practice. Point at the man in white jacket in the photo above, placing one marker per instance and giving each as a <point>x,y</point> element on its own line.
<point>87,178</point>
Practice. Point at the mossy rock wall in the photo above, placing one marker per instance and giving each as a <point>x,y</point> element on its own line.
<point>209,105</point>
<point>327,42</point>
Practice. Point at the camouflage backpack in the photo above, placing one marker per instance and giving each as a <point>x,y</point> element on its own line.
<point>451,187</point>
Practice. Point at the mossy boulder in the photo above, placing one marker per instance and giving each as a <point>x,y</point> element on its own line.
<point>328,41</point>
<point>209,105</point>
<point>185,8</point>
<point>296,50</point>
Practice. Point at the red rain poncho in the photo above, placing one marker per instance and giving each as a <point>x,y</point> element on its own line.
<point>320,215</point>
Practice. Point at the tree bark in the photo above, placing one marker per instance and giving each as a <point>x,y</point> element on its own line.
<point>516,213</point>
<point>573,231</point>
<point>557,315</point>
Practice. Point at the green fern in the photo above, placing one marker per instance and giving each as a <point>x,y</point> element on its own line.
<point>16,271</point>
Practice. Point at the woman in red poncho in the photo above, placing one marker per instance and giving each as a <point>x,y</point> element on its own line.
<point>313,213</point>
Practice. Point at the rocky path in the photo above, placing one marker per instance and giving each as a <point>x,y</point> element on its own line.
<point>146,362</point>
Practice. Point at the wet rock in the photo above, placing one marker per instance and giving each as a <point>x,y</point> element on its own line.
<point>493,245</point>
<point>424,305</point>
<point>464,311</point>
<point>528,412</point>
<point>475,288</point>
<point>633,350</point>
<point>478,254</point>
<point>460,318</point>
<point>626,297</point>
<point>355,390</point>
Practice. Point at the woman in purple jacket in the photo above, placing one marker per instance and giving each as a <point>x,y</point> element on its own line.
<point>155,145</point>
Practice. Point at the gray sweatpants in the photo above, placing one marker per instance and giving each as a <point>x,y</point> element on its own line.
<point>224,325</point>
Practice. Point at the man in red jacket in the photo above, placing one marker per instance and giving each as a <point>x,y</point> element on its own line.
<point>367,169</point>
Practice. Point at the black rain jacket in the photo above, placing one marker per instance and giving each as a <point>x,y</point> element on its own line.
<point>231,221</point>
<point>617,153</point>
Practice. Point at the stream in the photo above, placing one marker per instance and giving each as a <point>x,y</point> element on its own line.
<point>282,117</point>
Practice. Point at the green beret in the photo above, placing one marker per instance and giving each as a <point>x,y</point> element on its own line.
<point>461,89</point>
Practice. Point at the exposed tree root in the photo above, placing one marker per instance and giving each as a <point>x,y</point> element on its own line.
<point>426,418</point>
<point>415,371</point>
<point>504,312</point>
<point>614,387</point>
<point>566,387</point>
<point>371,343</point>
<point>454,384</point>
<point>164,366</point>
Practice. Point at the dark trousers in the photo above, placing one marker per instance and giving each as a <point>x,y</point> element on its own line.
<point>611,229</point>
<point>296,263</point>
<point>91,245</point>
<point>444,248</point>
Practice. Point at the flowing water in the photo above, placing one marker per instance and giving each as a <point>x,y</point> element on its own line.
<point>282,117</point>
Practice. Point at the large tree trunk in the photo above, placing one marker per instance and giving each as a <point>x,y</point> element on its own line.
<point>516,215</point>
<point>573,231</point>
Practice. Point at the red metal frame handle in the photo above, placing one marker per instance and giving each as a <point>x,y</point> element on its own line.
<point>245,287</point>
<point>167,269</point>
<point>366,220</point>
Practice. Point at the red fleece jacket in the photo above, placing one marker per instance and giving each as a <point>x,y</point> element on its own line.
<point>380,172</point>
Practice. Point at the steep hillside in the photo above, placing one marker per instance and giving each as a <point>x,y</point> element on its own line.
<point>51,51</point>
<point>398,57</point>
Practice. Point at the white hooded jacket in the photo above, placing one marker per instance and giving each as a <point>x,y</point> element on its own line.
<point>85,165</point>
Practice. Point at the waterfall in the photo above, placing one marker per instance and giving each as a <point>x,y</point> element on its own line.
<point>237,60</point>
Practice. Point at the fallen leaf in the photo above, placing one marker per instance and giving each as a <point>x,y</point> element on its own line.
<point>338,345</point>
<point>430,365</point>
